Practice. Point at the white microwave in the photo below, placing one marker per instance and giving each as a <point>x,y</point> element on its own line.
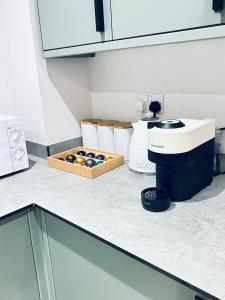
<point>13,151</point>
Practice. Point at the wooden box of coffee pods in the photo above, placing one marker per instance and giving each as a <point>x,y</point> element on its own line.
<point>111,161</point>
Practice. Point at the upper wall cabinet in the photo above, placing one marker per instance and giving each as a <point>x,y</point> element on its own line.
<point>73,27</point>
<point>70,23</point>
<point>144,17</point>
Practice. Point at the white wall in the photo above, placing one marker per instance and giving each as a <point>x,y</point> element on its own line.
<point>66,99</point>
<point>64,90</point>
<point>50,96</point>
<point>18,76</point>
<point>53,95</point>
<point>121,106</point>
<point>191,74</point>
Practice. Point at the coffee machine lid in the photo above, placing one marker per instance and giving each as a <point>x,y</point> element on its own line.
<point>170,124</point>
<point>180,139</point>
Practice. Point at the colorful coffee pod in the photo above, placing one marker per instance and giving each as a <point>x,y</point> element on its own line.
<point>70,158</point>
<point>81,152</point>
<point>98,163</point>
<point>100,156</point>
<point>90,163</point>
<point>90,155</point>
<point>80,160</point>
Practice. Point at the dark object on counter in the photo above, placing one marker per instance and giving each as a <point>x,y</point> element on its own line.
<point>155,199</point>
<point>90,163</point>
<point>81,152</point>
<point>71,158</point>
<point>219,161</point>
<point>100,157</point>
<point>184,156</point>
<point>61,158</point>
<point>185,174</point>
<point>90,154</point>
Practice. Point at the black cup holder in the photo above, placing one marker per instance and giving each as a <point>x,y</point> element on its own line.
<point>155,199</point>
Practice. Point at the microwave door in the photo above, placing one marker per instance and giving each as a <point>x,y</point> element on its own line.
<point>5,155</point>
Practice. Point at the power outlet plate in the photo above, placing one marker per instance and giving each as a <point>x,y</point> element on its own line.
<point>150,97</point>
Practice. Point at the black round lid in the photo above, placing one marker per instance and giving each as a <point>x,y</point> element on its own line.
<point>152,122</point>
<point>170,124</point>
<point>155,199</point>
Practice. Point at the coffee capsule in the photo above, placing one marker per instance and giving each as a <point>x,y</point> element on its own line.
<point>80,160</point>
<point>90,163</point>
<point>100,156</point>
<point>81,152</point>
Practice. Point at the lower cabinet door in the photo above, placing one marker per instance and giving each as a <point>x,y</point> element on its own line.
<point>87,269</point>
<point>17,270</point>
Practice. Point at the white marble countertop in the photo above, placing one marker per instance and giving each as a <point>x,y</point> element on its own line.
<point>187,241</point>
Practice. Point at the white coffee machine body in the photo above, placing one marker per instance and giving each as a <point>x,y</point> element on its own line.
<point>183,151</point>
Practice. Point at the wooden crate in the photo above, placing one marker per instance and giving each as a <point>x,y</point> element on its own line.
<point>84,171</point>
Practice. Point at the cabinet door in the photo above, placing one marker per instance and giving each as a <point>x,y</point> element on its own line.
<point>17,270</point>
<point>144,17</point>
<point>85,268</point>
<point>70,23</point>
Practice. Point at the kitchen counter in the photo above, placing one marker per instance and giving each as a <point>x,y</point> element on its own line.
<point>187,242</point>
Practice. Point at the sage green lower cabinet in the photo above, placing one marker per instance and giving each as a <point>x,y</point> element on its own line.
<point>84,268</point>
<point>17,269</point>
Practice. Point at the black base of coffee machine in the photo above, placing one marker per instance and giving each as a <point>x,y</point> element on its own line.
<point>185,174</point>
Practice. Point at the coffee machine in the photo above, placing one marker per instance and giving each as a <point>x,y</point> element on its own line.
<point>183,151</point>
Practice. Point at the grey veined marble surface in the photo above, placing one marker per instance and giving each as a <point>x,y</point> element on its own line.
<point>187,241</point>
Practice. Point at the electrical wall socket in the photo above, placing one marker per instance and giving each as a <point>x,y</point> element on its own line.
<point>149,97</point>
<point>160,98</point>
